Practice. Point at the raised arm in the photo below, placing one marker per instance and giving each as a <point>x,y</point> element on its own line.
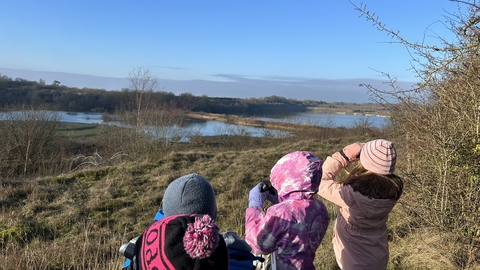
<point>332,167</point>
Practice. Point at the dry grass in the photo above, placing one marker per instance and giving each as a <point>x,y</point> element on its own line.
<point>79,220</point>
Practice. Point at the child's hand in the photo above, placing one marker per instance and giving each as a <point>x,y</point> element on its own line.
<point>352,151</point>
<point>256,196</point>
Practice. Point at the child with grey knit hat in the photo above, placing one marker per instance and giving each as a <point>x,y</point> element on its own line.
<point>365,198</point>
<point>184,234</point>
<point>188,195</point>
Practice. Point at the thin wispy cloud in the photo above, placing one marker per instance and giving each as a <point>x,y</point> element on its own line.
<point>176,68</point>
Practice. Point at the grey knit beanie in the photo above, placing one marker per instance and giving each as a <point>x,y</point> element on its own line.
<point>190,194</point>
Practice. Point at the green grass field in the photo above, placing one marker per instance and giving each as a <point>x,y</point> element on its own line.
<point>78,130</point>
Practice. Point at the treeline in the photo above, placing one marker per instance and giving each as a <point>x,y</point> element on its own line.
<point>60,97</point>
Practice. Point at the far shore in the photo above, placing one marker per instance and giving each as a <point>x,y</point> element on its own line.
<point>367,109</point>
<point>350,109</point>
<point>239,120</point>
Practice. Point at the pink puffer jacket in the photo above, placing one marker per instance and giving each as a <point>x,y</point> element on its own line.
<point>293,228</point>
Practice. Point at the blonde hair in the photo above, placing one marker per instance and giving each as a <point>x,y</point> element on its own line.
<point>373,185</point>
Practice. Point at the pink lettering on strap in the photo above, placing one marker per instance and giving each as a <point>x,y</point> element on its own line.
<point>153,243</point>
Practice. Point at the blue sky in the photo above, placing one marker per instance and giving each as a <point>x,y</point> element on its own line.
<point>218,41</point>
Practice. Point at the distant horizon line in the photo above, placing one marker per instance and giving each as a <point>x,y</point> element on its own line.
<point>237,86</point>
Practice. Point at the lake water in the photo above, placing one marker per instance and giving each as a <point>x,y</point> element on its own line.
<point>211,127</point>
<point>328,120</point>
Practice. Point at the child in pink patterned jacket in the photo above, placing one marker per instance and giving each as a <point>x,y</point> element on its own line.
<point>292,228</point>
<point>365,198</point>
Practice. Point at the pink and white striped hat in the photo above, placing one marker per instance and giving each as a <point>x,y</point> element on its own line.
<point>379,156</point>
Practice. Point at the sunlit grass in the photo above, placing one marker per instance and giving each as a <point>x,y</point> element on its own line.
<point>79,220</point>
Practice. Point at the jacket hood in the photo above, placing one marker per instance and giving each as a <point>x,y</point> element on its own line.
<point>365,211</point>
<point>297,172</point>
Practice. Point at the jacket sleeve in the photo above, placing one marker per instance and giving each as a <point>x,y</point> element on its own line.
<point>330,169</point>
<point>264,231</point>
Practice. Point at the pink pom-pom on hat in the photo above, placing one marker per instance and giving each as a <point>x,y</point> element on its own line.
<point>379,156</point>
<point>201,237</point>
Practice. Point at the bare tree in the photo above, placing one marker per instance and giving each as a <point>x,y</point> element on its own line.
<point>142,84</point>
<point>26,133</point>
<point>157,123</point>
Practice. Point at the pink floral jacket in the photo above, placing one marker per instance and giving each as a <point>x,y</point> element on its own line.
<point>294,228</point>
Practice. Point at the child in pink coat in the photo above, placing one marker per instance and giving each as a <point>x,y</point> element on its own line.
<point>293,228</point>
<point>365,198</point>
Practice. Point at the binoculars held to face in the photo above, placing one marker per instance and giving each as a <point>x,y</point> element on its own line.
<point>267,187</point>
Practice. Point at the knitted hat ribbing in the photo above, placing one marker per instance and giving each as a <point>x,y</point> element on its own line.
<point>190,194</point>
<point>379,156</point>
